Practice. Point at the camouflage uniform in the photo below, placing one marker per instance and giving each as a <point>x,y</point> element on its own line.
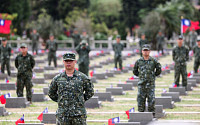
<point>160,42</point>
<point>196,51</point>
<point>146,70</point>
<point>180,56</point>
<point>87,38</point>
<point>118,48</point>
<point>76,39</point>
<point>24,65</point>
<point>5,53</point>
<point>52,46</point>
<point>35,40</point>
<point>141,43</point>
<point>192,38</point>
<point>83,61</point>
<point>71,94</point>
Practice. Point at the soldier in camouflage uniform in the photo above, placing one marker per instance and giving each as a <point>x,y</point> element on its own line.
<point>180,55</point>
<point>118,48</point>
<point>83,62</point>
<point>160,41</point>
<point>146,68</point>
<point>76,38</point>
<point>5,53</point>
<point>24,62</point>
<point>142,41</point>
<point>35,41</point>
<point>70,90</point>
<point>196,51</point>
<point>192,38</point>
<point>52,46</point>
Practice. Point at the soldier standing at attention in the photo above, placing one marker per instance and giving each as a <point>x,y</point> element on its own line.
<point>180,55</point>
<point>24,62</point>
<point>196,51</point>
<point>5,53</point>
<point>52,46</point>
<point>118,48</point>
<point>83,62</point>
<point>160,41</point>
<point>142,41</point>
<point>146,68</point>
<point>76,38</point>
<point>192,38</point>
<point>35,41</point>
<point>70,90</point>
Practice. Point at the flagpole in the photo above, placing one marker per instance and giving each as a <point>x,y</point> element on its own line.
<point>181,26</point>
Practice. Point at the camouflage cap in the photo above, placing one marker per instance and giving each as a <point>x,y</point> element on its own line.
<point>180,37</point>
<point>198,39</point>
<point>118,36</point>
<point>4,39</point>
<point>83,42</point>
<point>146,47</point>
<point>69,56</point>
<point>51,34</point>
<point>23,45</point>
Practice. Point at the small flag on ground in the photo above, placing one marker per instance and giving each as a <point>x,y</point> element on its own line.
<point>21,120</point>
<point>3,98</point>
<point>6,80</point>
<point>129,111</point>
<point>40,117</point>
<point>174,85</point>
<point>112,121</point>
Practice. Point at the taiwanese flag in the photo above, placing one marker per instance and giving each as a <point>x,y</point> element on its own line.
<point>194,25</point>
<point>174,85</point>
<point>21,120</point>
<point>5,26</point>
<point>131,78</point>
<point>6,80</point>
<point>102,51</point>
<point>97,54</point>
<point>185,24</point>
<point>3,98</point>
<point>40,117</point>
<point>112,121</point>
<point>129,54</point>
<point>91,73</point>
<point>129,111</point>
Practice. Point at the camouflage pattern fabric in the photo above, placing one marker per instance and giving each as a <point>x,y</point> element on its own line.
<point>5,53</point>
<point>160,42</point>
<point>146,70</point>
<point>180,56</point>
<point>24,65</point>
<point>35,40</point>
<point>83,61</point>
<point>76,39</point>
<point>71,94</point>
<point>78,120</point>
<point>141,43</point>
<point>52,46</point>
<point>196,51</point>
<point>118,48</point>
<point>192,38</point>
<point>86,37</point>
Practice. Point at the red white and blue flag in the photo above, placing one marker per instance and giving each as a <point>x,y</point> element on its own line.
<point>6,80</point>
<point>5,26</point>
<point>3,98</point>
<point>21,120</point>
<point>112,121</point>
<point>40,117</point>
<point>189,25</point>
<point>174,85</point>
<point>129,111</point>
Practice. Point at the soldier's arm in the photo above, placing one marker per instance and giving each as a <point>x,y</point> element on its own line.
<point>88,89</point>
<point>193,50</point>
<point>53,90</point>
<point>47,45</point>
<point>158,68</point>
<point>78,48</point>
<point>56,46</point>
<point>88,48</point>
<point>173,55</point>
<point>9,51</point>
<point>135,69</point>
<point>32,62</point>
<point>16,62</point>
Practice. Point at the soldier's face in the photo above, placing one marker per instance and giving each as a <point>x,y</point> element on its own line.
<point>4,42</point>
<point>69,64</point>
<point>145,52</point>
<point>23,49</point>
<point>198,43</point>
<point>34,31</point>
<point>180,42</point>
<point>118,40</point>
<point>143,37</point>
<point>51,38</point>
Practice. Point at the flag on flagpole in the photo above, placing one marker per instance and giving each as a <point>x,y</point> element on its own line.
<point>21,120</point>
<point>112,121</point>
<point>5,26</point>
<point>189,25</point>
<point>129,111</point>
<point>40,117</point>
